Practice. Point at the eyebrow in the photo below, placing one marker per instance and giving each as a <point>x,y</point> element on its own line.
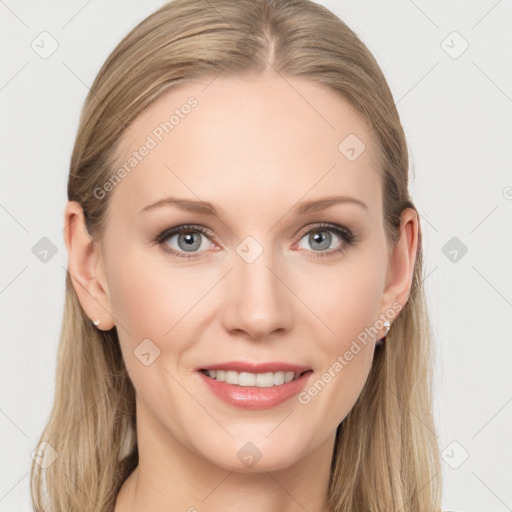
<point>206,208</point>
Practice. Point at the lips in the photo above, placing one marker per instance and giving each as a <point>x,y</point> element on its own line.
<point>264,394</point>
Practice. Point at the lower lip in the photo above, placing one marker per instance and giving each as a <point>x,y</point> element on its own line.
<point>252,397</point>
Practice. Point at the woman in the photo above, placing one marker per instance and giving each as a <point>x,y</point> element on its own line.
<point>212,356</point>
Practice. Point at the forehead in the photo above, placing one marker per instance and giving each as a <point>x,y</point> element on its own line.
<point>249,141</point>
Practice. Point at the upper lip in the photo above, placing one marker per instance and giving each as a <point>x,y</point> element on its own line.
<point>241,366</point>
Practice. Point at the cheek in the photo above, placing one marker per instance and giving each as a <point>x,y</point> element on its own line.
<point>150,302</point>
<point>152,299</point>
<point>349,307</point>
<point>148,296</point>
<point>346,298</point>
<point>357,298</point>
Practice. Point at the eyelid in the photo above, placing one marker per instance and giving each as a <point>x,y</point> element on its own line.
<point>318,226</point>
<point>176,230</point>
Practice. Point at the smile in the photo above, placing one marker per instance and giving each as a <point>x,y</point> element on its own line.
<point>254,390</point>
<point>259,380</point>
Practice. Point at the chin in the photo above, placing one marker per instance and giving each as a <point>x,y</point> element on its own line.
<point>257,457</point>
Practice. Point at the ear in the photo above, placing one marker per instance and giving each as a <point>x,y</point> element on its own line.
<point>401,262</point>
<point>86,269</point>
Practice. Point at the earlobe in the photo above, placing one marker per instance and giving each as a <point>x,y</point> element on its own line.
<point>402,261</point>
<point>85,265</point>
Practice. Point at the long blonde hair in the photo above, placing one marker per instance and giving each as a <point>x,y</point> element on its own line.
<point>386,455</point>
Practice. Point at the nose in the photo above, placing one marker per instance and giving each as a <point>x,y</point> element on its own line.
<point>258,301</point>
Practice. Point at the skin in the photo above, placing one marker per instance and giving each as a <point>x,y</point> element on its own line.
<point>253,147</point>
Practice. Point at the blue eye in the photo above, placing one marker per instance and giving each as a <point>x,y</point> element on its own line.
<point>191,238</point>
<point>188,240</point>
<point>317,237</point>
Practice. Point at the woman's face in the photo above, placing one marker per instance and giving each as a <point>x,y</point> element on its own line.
<point>264,281</point>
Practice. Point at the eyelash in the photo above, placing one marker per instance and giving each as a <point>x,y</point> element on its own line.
<point>345,234</point>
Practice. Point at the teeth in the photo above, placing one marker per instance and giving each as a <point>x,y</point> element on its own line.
<point>260,380</point>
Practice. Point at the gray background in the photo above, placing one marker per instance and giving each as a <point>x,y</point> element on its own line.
<point>456,109</point>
